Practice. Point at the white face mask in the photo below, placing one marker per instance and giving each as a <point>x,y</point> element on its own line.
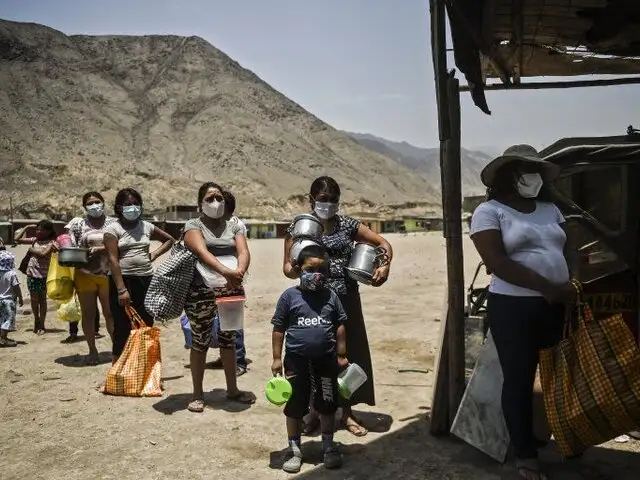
<point>131,212</point>
<point>213,210</point>
<point>326,210</point>
<point>95,210</point>
<point>529,185</point>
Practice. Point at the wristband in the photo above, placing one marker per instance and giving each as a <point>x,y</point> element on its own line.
<point>122,290</point>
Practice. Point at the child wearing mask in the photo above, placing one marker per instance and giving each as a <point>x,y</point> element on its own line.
<point>42,246</point>
<point>312,317</point>
<point>10,296</point>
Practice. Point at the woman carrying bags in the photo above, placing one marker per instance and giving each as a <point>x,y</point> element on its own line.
<point>128,243</point>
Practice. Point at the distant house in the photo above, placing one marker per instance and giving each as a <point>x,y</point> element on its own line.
<point>469,204</point>
<point>266,228</point>
<point>416,224</point>
<point>370,220</point>
<point>181,212</point>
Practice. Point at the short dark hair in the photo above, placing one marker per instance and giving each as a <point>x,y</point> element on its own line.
<point>312,251</point>
<point>324,185</point>
<point>202,191</point>
<point>229,202</point>
<point>122,197</point>
<point>88,195</point>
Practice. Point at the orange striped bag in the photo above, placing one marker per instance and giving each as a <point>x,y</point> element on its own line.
<point>591,382</point>
<point>138,371</point>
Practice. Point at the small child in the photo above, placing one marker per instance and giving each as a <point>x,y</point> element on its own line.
<point>10,295</point>
<point>313,319</point>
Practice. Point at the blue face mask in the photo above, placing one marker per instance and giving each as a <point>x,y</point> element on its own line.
<point>312,281</point>
<point>131,212</point>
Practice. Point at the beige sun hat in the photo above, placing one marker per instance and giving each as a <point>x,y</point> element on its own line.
<point>521,153</point>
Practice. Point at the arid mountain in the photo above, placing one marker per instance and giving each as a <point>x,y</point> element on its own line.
<point>427,160</point>
<point>164,114</point>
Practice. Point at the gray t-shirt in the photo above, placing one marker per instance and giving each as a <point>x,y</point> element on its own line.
<point>310,320</point>
<point>224,244</point>
<point>133,247</point>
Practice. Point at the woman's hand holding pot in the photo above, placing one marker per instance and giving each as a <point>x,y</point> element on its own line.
<point>380,275</point>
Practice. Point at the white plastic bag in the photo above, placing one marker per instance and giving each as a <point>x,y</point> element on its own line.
<point>214,279</point>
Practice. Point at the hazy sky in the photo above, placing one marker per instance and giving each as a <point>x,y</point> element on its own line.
<point>360,65</point>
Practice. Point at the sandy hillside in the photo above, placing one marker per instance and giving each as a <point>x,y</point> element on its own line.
<point>55,425</point>
<point>161,113</point>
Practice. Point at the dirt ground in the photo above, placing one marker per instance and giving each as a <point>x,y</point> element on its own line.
<point>55,425</point>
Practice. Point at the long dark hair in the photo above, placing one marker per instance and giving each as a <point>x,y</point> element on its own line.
<point>324,186</point>
<point>202,191</point>
<point>122,197</point>
<point>505,184</point>
<point>47,225</point>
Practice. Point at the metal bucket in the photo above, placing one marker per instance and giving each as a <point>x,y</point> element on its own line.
<point>307,226</point>
<point>73,257</point>
<point>297,247</point>
<point>364,261</point>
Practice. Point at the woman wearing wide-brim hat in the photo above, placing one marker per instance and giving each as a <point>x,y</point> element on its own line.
<point>520,235</point>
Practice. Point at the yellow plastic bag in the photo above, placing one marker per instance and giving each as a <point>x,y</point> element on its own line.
<point>70,311</point>
<point>59,281</point>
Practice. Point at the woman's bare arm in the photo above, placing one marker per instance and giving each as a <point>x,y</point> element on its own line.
<point>244,256</point>
<point>289,270</point>
<point>166,239</point>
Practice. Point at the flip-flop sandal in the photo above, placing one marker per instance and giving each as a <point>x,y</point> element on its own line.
<point>530,471</point>
<point>70,339</point>
<point>245,398</point>
<point>92,361</point>
<point>355,429</point>
<point>196,406</point>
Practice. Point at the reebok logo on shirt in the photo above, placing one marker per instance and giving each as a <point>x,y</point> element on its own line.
<point>312,322</point>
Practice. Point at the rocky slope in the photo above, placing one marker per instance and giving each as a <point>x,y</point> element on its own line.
<point>164,114</point>
<point>427,160</point>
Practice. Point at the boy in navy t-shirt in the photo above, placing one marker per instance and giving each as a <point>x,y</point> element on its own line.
<point>309,320</point>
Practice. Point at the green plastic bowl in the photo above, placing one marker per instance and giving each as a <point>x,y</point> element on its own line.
<point>278,391</point>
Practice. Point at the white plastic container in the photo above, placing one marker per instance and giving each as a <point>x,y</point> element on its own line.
<point>351,379</point>
<point>214,279</point>
<point>231,313</point>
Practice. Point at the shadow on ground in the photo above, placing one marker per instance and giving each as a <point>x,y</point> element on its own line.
<point>216,399</point>
<point>78,360</point>
<point>412,453</point>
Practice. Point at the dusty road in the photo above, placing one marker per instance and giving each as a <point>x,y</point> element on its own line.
<point>55,425</point>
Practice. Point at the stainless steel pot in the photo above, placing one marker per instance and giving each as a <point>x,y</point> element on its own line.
<point>307,226</point>
<point>364,262</point>
<point>73,257</point>
<point>297,247</point>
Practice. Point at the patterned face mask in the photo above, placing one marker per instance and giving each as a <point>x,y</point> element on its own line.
<point>7,260</point>
<point>312,281</point>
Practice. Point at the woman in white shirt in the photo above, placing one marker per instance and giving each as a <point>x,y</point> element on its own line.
<point>522,241</point>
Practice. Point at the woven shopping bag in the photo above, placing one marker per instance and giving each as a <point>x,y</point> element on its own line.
<point>591,381</point>
<point>138,371</point>
<point>170,284</point>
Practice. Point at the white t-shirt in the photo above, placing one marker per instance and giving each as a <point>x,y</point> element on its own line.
<point>536,240</point>
<point>133,247</point>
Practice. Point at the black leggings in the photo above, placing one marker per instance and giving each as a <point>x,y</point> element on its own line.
<point>137,287</point>
<point>520,327</point>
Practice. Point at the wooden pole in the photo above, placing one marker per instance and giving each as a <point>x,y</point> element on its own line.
<point>563,84</point>
<point>452,213</point>
<point>439,424</point>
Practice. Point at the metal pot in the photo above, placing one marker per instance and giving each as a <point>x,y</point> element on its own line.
<point>307,226</point>
<point>364,261</point>
<point>297,247</point>
<point>73,257</point>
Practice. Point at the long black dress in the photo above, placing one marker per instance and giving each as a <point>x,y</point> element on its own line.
<point>339,245</point>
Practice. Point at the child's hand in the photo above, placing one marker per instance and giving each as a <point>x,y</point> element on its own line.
<point>343,362</point>
<point>276,367</point>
